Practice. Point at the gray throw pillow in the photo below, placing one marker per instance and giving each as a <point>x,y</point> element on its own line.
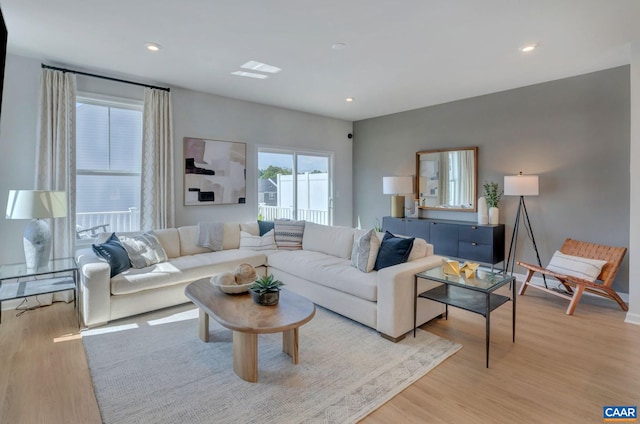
<point>365,251</point>
<point>143,250</point>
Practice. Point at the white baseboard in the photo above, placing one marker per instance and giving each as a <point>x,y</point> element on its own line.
<point>632,318</point>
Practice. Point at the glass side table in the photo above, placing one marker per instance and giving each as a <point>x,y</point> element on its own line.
<point>58,275</point>
<point>471,294</point>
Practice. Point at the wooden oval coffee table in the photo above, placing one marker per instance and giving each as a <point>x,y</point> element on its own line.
<point>246,319</point>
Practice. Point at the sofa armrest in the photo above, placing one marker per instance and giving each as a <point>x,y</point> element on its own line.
<point>95,288</point>
<point>396,296</point>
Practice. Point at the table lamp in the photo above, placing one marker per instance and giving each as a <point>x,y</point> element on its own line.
<point>36,205</point>
<point>397,186</point>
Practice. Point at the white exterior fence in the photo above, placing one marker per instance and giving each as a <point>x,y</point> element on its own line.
<point>269,213</point>
<point>117,221</point>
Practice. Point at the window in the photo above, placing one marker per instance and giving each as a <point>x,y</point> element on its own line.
<point>306,197</point>
<point>108,165</point>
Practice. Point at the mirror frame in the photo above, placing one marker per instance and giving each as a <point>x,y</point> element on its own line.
<point>475,176</point>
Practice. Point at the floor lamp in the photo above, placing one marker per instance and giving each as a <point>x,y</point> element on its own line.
<point>521,185</point>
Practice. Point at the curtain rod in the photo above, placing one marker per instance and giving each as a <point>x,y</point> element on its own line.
<point>103,77</point>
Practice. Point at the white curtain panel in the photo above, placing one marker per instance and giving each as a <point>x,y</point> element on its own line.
<point>467,165</point>
<point>56,157</point>
<point>56,162</point>
<point>157,197</point>
<point>443,180</point>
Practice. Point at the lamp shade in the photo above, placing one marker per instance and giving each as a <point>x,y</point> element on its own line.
<point>521,185</point>
<point>397,185</point>
<point>28,204</point>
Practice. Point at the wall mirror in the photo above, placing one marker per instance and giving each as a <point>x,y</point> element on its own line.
<point>447,179</point>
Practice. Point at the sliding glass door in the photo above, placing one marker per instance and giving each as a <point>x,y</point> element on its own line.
<point>305,197</point>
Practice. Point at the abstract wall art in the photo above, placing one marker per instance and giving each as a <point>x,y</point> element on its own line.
<point>214,172</point>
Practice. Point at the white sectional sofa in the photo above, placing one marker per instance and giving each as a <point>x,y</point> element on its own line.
<point>320,271</point>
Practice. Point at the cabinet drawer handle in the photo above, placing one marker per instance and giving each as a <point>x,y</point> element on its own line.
<point>473,227</point>
<point>474,244</point>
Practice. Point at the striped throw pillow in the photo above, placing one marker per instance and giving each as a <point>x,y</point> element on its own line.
<point>289,234</point>
<point>251,242</point>
<point>365,251</point>
<point>576,266</point>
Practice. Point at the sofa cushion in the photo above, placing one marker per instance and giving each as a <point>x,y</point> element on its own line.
<point>170,241</point>
<point>210,234</point>
<point>289,234</point>
<point>393,251</point>
<point>327,270</point>
<point>143,249</point>
<point>188,245</point>
<point>266,242</point>
<point>419,249</point>
<point>251,228</point>
<point>336,241</point>
<point>230,239</point>
<point>183,269</point>
<point>114,253</point>
<point>365,251</point>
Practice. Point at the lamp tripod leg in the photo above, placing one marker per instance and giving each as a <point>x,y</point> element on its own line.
<point>514,241</point>
<point>533,239</point>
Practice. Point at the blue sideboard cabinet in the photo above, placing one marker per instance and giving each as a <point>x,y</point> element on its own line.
<point>457,239</point>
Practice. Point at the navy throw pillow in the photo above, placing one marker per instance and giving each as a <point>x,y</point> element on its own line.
<point>393,251</point>
<point>265,227</point>
<point>113,252</point>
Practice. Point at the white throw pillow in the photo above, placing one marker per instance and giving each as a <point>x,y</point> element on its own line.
<point>365,251</point>
<point>143,249</point>
<point>576,266</point>
<point>251,242</point>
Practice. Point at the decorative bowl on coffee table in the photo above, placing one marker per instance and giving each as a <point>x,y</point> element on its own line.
<point>231,288</point>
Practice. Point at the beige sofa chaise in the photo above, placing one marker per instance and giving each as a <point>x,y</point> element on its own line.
<point>320,271</point>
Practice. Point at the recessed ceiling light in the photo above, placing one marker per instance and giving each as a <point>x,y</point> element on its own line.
<point>262,67</point>
<point>249,74</point>
<point>153,47</point>
<point>528,48</point>
<point>349,99</point>
<point>338,46</point>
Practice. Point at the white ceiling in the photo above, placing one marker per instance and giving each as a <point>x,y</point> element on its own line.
<point>400,54</point>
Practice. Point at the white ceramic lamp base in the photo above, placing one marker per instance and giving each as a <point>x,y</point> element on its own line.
<point>37,244</point>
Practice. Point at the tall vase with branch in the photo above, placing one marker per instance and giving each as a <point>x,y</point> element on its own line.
<point>493,194</point>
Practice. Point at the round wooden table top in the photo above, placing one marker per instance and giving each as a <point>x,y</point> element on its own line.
<point>239,312</point>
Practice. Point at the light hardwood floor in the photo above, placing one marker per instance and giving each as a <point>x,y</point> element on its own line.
<point>562,369</point>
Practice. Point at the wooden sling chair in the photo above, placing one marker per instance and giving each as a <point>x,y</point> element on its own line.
<point>576,286</point>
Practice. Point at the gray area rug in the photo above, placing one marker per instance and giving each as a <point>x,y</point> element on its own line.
<point>153,368</point>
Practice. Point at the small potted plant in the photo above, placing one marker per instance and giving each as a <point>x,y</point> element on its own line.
<point>493,195</point>
<point>266,290</point>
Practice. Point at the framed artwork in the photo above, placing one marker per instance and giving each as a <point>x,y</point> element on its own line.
<point>214,172</point>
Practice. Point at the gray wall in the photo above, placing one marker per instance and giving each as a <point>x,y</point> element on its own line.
<point>574,133</point>
<point>207,116</point>
<point>195,115</point>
